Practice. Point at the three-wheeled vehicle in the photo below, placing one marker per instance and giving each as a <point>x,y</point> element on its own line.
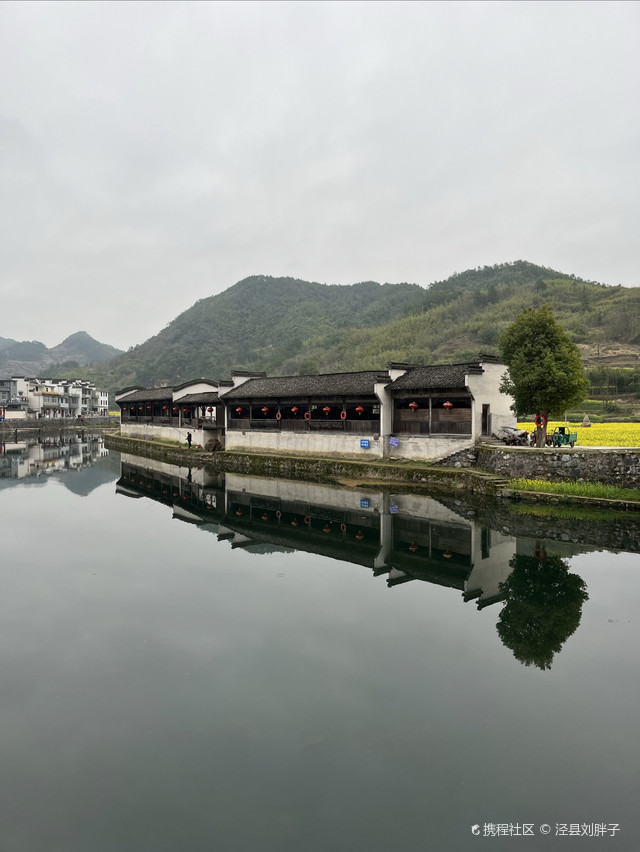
<point>562,436</point>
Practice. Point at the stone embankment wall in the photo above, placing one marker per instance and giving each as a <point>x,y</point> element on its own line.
<point>308,468</point>
<point>56,424</point>
<point>619,467</point>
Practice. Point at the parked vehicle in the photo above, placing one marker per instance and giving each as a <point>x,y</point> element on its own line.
<point>548,440</point>
<point>512,436</point>
<point>562,436</point>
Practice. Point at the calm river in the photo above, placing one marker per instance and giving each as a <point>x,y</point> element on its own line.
<point>195,662</point>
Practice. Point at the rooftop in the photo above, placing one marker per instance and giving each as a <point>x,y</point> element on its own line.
<point>436,377</point>
<point>293,387</point>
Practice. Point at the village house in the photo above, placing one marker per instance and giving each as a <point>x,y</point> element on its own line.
<point>22,398</point>
<point>406,411</point>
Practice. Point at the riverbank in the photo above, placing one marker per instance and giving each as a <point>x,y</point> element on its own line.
<point>57,424</point>
<point>446,480</point>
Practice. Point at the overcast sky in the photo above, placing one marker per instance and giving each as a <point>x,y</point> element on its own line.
<point>152,154</point>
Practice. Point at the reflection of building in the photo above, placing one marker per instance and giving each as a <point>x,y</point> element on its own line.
<point>46,455</point>
<point>403,537</point>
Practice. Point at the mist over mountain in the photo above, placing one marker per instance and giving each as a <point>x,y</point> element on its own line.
<point>287,326</point>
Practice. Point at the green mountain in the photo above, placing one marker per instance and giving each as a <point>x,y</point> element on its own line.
<point>32,358</point>
<point>84,349</point>
<point>286,326</point>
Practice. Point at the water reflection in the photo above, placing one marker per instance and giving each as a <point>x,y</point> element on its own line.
<point>543,608</point>
<point>401,537</point>
<point>32,459</point>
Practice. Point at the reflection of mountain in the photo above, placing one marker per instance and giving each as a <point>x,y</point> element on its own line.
<point>105,468</point>
<point>80,462</point>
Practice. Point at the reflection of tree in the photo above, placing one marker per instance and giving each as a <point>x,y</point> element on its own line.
<point>543,608</point>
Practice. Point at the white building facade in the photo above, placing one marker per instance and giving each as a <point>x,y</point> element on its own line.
<point>23,398</point>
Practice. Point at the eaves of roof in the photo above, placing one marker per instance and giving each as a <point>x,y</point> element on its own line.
<point>330,385</point>
<point>435,377</point>
<point>147,395</point>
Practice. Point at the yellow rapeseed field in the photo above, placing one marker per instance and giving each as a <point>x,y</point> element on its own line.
<point>599,434</point>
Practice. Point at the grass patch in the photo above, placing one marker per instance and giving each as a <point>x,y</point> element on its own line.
<point>595,490</point>
<point>568,513</point>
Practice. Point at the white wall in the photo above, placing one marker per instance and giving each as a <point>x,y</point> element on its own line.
<point>196,387</point>
<point>429,447</point>
<point>313,443</point>
<point>485,390</point>
<point>168,433</point>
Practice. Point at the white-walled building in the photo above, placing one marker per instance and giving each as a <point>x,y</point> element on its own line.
<point>406,411</point>
<point>22,398</point>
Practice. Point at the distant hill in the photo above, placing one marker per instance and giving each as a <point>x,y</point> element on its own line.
<point>287,326</point>
<point>84,349</point>
<point>32,358</point>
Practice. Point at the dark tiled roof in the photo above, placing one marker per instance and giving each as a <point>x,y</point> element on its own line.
<point>294,387</point>
<point>436,377</point>
<point>147,395</point>
<point>200,398</point>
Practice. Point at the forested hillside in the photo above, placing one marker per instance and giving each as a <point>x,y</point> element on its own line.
<point>32,358</point>
<point>286,326</point>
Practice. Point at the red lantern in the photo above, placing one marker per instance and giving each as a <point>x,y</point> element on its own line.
<point>185,410</point>
<point>448,405</point>
<point>359,535</point>
<point>413,406</point>
<point>148,408</point>
<point>295,409</point>
<point>447,554</point>
<point>175,407</point>
<point>265,410</point>
<point>326,409</point>
<point>164,407</point>
<point>239,410</point>
<point>359,409</point>
<point>210,409</point>
<point>413,547</point>
<point>265,517</point>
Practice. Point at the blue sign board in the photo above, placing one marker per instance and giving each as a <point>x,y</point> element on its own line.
<point>394,442</point>
<point>364,503</point>
<point>364,443</point>
<point>394,510</point>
